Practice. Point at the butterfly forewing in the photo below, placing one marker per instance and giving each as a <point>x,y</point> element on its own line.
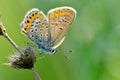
<point>35,26</point>
<point>60,20</point>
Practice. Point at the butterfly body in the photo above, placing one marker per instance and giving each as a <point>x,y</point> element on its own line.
<point>48,32</point>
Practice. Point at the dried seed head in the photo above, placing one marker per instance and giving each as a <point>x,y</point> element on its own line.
<point>25,61</point>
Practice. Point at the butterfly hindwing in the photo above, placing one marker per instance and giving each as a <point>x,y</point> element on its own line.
<point>60,20</point>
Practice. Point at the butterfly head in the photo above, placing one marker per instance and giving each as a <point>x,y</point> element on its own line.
<point>47,50</point>
<point>52,51</point>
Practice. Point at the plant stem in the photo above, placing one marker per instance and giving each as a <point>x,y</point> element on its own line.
<point>4,33</point>
<point>35,74</point>
<point>13,43</point>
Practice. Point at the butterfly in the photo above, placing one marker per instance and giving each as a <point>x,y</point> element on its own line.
<point>48,32</point>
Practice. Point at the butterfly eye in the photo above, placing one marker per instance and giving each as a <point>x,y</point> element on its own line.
<point>52,51</point>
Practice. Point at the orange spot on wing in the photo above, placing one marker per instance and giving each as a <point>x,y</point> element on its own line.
<point>60,14</point>
<point>56,15</point>
<point>66,14</point>
<point>41,17</point>
<point>52,16</point>
<point>32,20</point>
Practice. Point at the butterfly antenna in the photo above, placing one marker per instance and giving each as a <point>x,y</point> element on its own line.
<point>66,57</point>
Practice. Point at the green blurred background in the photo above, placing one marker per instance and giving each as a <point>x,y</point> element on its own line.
<point>94,40</point>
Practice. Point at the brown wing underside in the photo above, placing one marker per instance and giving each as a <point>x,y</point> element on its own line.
<point>60,20</point>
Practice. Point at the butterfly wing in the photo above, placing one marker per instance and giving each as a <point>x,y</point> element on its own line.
<point>60,20</point>
<point>35,26</point>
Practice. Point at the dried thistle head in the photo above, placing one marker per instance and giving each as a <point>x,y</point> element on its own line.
<point>24,61</point>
